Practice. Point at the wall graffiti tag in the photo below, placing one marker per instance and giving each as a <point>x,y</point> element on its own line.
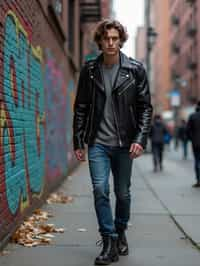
<point>22,147</point>
<point>55,102</point>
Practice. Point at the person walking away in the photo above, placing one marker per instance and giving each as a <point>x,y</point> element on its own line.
<point>112,115</point>
<point>182,135</point>
<point>176,138</point>
<point>157,135</point>
<point>193,132</point>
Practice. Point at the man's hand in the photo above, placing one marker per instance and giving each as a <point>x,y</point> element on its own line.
<point>80,154</point>
<point>135,150</point>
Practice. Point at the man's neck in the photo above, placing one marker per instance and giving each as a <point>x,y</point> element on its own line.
<point>110,60</point>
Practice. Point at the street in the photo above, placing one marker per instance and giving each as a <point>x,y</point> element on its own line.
<point>163,230</point>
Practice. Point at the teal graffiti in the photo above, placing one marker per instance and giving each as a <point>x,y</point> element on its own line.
<point>24,101</point>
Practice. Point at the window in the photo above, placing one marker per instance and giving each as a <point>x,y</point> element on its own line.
<point>58,6</point>
<point>55,18</point>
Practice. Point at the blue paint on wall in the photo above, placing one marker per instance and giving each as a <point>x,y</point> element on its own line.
<point>23,117</point>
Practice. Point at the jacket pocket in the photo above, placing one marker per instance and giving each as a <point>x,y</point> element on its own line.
<point>133,116</point>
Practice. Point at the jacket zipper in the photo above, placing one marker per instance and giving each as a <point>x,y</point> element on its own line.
<point>115,118</point>
<point>119,93</point>
<point>92,112</point>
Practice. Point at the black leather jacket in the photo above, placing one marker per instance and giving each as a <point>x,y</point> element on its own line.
<point>130,98</point>
<point>193,129</point>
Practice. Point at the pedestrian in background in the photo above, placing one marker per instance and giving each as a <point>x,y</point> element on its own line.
<point>193,132</point>
<point>176,138</point>
<point>157,135</point>
<point>112,114</point>
<point>182,135</point>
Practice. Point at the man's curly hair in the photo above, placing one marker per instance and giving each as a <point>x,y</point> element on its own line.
<point>107,24</point>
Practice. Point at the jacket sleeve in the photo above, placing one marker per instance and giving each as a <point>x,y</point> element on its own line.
<point>143,108</point>
<point>81,110</point>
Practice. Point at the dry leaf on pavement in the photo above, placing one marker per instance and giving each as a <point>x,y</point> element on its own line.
<point>59,197</point>
<point>82,230</point>
<point>4,252</point>
<point>59,230</point>
<point>34,231</point>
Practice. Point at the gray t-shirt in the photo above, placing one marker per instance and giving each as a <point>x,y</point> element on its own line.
<point>107,133</point>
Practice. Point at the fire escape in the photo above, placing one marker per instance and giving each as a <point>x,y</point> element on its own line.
<point>90,11</point>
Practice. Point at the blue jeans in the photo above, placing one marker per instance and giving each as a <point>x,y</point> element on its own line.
<point>102,159</point>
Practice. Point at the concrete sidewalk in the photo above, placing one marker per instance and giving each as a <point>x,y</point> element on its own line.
<point>174,189</point>
<point>154,238</point>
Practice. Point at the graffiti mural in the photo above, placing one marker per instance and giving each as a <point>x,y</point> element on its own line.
<point>22,148</point>
<point>36,102</point>
<point>58,105</point>
<point>55,102</point>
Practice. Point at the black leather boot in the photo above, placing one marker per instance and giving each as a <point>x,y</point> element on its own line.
<point>122,244</point>
<point>109,252</point>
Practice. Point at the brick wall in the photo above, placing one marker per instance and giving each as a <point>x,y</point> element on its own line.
<point>37,82</point>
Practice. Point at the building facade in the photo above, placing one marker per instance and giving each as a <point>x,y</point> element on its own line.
<point>185,49</point>
<point>92,12</point>
<point>160,55</point>
<point>174,57</point>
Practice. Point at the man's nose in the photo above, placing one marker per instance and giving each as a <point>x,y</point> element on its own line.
<point>110,41</point>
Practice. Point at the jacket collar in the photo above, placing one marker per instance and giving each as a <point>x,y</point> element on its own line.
<point>124,60</point>
<point>122,75</point>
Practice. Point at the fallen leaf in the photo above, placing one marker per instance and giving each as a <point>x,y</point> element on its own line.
<point>82,230</point>
<point>33,244</point>
<point>59,197</point>
<point>4,252</point>
<point>34,231</point>
<point>47,228</point>
<point>49,235</point>
<point>59,230</point>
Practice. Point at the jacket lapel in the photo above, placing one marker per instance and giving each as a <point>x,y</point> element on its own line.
<point>124,74</point>
<point>122,77</point>
<point>98,79</point>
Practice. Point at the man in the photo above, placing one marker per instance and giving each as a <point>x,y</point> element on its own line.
<point>112,114</point>
<point>193,132</point>
<point>157,134</point>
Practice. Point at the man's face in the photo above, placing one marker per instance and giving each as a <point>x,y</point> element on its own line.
<point>110,42</point>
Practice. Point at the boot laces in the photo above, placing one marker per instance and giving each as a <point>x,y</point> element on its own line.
<point>99,243</point>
